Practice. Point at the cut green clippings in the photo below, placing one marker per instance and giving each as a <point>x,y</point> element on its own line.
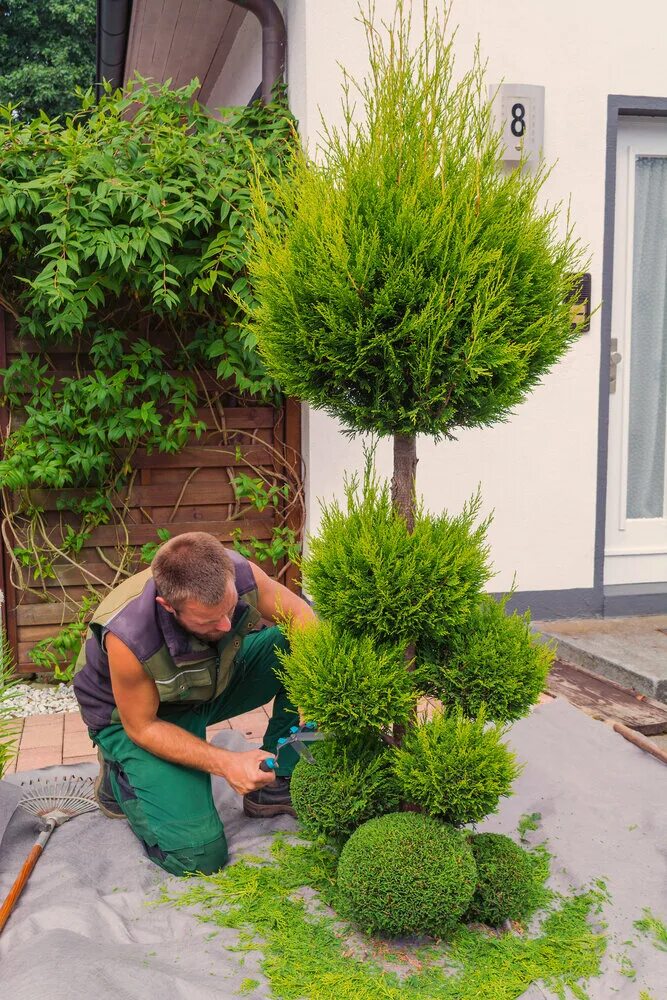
<point>654,928</point>
<point>626,968</point>
<point>308,952</point>
<point>528,822</point>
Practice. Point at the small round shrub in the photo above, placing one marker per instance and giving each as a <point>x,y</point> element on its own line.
<point>348,685</point>
<point>347,785</point>
<point>496,661</point>
<point>455,768</point>
<point>509,884</point>
<point>406,873</point>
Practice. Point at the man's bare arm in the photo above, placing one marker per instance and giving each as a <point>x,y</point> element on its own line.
<point>137,699</point>
<point>276,603</point>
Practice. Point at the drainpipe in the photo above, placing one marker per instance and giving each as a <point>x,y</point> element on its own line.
<point>113,26</point>
<point>273,41</point>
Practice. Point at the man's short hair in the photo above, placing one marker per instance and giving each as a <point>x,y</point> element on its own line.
<point>194,566</point>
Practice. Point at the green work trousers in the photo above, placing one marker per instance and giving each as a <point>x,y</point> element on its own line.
<point>170,807</point>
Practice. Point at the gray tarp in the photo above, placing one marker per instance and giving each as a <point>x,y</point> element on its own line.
<point>83,927</point>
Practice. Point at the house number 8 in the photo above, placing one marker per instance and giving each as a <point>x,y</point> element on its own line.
<point>518,123</point>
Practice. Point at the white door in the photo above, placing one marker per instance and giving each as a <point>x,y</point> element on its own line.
<point>636,530</point>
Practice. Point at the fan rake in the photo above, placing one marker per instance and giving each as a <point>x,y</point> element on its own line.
<point>54,802</point>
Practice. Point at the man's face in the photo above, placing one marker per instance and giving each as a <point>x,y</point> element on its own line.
<point>209,622</point>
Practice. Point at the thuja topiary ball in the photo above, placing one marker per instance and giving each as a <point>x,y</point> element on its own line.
<point>406,873</point>
<point>347,785</point>
<point>508,882</point>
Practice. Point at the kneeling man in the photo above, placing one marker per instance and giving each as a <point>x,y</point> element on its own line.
<point>168,653</point>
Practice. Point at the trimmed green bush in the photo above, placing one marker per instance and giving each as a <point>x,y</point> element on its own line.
<point>509,882</point>
<point>407,284</point>
<point>368,574</point>
<point>495,661</point>
<point>348,784</point>
<point>348,685</point>
<point>405,873</point>
<point>454,768</point>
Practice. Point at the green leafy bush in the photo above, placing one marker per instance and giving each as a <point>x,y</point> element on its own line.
<point>123,239</point>
<point>496,661</point>
<point>368,574</point>
<point>407,284</point>
<point>7,682</point>
<point>454,768</point>
<point>350,783</point>
<point>509,881</point>
<point>136,205</point>
<point>346,684</point>
<point>405,873</point>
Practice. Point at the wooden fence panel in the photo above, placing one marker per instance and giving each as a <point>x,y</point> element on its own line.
<point>188,491</point>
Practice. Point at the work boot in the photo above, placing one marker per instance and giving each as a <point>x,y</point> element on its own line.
<point>269,800</point>
<point>104,796</point>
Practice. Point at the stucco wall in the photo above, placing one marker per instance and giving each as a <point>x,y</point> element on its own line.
<point>538,472</point>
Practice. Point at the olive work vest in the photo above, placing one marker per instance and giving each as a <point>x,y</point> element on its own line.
<point>186,670</point>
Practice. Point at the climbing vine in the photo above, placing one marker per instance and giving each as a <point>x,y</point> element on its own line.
<point>123,233</point>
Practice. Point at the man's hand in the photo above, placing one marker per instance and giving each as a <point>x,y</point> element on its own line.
<point>138,701</point>
<point>241,770</point>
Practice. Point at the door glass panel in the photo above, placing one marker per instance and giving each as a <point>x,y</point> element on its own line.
<point>648,366</point>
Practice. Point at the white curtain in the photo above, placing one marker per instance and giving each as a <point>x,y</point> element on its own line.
<point>648,366</point>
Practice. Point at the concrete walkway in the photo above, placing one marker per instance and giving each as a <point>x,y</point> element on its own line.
<point>629,651</point>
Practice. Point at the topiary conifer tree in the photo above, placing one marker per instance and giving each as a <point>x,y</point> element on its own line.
<point>406,284</point>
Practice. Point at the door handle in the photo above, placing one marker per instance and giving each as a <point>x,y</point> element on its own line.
<point>614,361</point>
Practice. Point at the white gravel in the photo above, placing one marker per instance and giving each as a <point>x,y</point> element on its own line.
<point>39,699</point>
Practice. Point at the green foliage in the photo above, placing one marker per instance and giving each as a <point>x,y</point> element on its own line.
<point>653,927</point>
<point>369,575</point>
<point>527,822</point>
<point>123,239</point>
<point>350,783</point>
<point>111,216</point>
<point>407,284</point>
<point>495,661</point>
<point>60,652</point>
<point>509,881</point>
<point>47,49</point>
<point>347,684</point>
<point>130,400</point>
<point>306,953</point>
<point>405,873</point>
<point>149,549</point>
<point>454,768</point>
<point>283,544</point>
<point>8,733</point>
<point>255,490</point>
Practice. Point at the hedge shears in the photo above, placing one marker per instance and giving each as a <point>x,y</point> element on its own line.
<point>297,740</point>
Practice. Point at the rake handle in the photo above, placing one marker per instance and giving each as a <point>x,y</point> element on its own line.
<point>24,875</point>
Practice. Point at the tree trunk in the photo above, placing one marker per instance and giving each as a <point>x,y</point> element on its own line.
<point>403,482</point>
<point>403,499</point>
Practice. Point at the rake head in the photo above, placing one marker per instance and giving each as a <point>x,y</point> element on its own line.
<point>58,799</point>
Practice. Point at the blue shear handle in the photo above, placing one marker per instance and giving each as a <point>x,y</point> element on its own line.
<point>268,764</point>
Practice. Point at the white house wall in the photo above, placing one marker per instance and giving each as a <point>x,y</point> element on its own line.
<point>538,472</point>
